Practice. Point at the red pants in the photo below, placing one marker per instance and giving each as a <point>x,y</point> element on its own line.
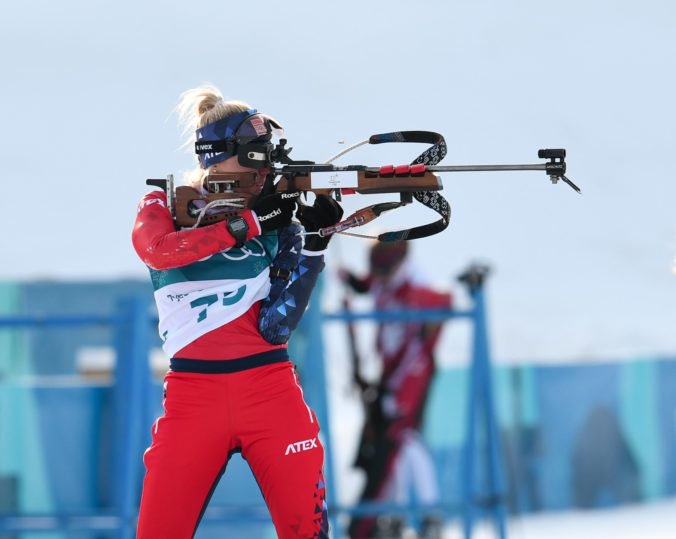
<point>260,412</point>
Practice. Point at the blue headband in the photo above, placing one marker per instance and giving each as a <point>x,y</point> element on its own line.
<point>224,129</point>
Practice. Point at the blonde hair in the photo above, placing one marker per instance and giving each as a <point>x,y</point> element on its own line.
<point>199,107</point>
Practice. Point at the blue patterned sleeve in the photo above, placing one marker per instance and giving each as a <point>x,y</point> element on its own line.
<point>293,276</point>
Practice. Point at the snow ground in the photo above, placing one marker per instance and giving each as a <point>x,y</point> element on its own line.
<point>655,520</point>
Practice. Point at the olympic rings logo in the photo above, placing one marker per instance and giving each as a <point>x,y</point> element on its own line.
<point>244,251</point>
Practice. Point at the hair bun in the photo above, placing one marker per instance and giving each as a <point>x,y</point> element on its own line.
<point>209,102</point>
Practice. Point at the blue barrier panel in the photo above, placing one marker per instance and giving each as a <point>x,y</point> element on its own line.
<point>69,410</point>
<point>666,382</point>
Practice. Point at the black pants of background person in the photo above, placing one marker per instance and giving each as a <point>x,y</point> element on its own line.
<point>376,457</point>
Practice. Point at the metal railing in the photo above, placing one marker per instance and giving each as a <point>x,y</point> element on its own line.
<point>480,424</point>
<point>131,325</point>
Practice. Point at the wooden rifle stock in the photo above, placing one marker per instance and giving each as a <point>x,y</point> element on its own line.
<point>186,214</point>
<point>368,183</point>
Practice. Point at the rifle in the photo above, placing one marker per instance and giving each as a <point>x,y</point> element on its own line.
<point>418,180</point>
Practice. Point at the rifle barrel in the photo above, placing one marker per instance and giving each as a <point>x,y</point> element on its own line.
<point>306,169</point>
<point>476,168</point>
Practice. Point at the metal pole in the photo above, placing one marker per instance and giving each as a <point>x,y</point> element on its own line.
<point>483,168</point>
<point>314,372</point>
<point>481,409</point>
<point>496,492</point>
<point>468,483</point>
<point>130,393</point>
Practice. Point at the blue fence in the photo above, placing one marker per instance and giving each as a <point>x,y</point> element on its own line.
<point>482,490</point>
<point>99,447</point>
<point>128,417</point>
<point>564,436</point>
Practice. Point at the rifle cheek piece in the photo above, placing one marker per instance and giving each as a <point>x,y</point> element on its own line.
<point>194,209</point>
<point>255,155</point>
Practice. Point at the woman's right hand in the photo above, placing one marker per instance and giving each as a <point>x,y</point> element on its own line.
<point>323,213</point>
<point>276,210</point>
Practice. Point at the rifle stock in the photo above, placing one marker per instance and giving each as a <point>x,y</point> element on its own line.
<point>185,207</point>
<point>368,183</point>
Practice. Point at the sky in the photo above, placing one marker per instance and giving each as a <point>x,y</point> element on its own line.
<point>88,90</point>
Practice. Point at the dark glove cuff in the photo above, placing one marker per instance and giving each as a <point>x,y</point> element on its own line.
<point>279,273</point>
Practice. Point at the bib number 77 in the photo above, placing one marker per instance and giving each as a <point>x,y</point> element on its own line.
<point>229,298</point>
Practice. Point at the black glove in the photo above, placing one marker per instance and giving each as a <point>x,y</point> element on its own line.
<point>276,210</point>
<point>324,212</point>
<point>359,285</point>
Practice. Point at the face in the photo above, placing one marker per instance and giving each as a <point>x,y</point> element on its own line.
<point>386,259</point>
<point>231,165</point>
<point>383,275</point>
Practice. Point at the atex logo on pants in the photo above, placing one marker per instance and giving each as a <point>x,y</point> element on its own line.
<point>305,445</point>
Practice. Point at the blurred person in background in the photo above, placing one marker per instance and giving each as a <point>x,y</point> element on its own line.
<point>229,294</point>
<point>391,451</point>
